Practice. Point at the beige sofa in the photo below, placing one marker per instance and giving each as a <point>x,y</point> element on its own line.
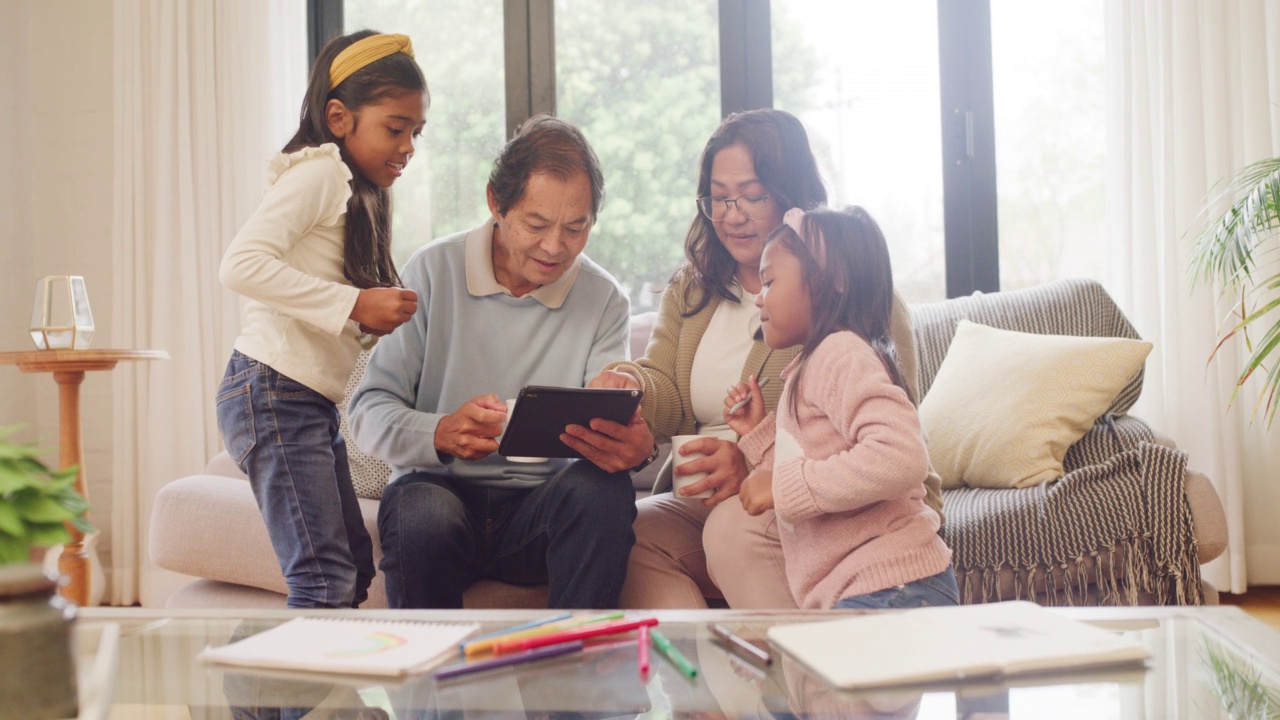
<point>207,525</point>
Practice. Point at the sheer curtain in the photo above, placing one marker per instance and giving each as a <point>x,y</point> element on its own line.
<point>205,91</point>
<point>1193,95</point>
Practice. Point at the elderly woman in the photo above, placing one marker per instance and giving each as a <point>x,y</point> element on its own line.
<point>755,167</point>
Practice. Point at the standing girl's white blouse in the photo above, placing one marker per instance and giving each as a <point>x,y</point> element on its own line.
<point>288,261</point>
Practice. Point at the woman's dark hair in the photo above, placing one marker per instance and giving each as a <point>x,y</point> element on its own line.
<point>367,250</point>
<point>845,264</point>
<point>544,144</point>
<point>779,148</point>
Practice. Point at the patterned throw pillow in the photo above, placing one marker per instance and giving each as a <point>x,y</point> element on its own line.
<point>1005,406</point>
<point>369,474</point>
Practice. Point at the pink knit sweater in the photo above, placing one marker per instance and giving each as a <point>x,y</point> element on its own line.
<point>848,478</point>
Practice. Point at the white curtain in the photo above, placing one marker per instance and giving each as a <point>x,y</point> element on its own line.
<point>1193,96</point>
<point>205,92</point>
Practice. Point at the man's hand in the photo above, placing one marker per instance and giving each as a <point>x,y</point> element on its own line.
<point>380,310</point>
<point>615,379</point>
<point>724,463</point>
<point>613,447</point>
<point>469,433</point>
<point>757,491</point>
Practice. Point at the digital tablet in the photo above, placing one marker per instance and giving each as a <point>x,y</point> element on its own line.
<point>542,413</point>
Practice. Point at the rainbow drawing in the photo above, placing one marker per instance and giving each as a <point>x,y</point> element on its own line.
<point>371,644</point>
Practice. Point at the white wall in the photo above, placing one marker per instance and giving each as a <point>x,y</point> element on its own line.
<point>17,393</point>
<point>55,204</point>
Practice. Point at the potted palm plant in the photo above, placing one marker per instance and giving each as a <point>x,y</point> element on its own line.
<point>1237,251</point>
<point>36,504</point>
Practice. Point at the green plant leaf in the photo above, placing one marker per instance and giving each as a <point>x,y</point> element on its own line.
<point>36,501</point>
<point>48,535</point>
<point>71,500</point>
<point>1228,251</point>
<point>11,480</point>
<point>40,508</point>
<point>10,522</point>
<point>13,550</point>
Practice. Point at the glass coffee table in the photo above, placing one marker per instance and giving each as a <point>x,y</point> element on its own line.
<point>1203,660</point>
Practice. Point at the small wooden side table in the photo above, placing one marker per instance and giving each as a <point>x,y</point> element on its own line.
<point>68,368</point>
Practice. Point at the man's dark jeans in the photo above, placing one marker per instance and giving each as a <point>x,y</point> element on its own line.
<point>439,535</point>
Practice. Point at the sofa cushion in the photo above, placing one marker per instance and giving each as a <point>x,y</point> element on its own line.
<point>1064,307</point>
<point>1005,406</point>
<point>191,512</point>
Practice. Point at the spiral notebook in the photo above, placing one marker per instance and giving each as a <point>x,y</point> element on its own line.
<point>346,645</point>
<point>995,641</point>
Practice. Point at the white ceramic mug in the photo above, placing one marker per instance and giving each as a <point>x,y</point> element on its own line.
<point>511,408</point>
<point>679,481</point>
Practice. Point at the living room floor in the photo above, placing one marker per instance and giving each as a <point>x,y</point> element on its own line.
<point>1261,601</point>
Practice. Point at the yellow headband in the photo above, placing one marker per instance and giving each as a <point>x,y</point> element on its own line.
<point>363,52</point>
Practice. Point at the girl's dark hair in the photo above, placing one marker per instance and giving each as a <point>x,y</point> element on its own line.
<point>544,144</point>
<point>779,148</point>
<point>845,264</point>
<point>367,250</point>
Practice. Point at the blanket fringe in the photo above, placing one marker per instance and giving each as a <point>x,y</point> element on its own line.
<point>1126,573</point>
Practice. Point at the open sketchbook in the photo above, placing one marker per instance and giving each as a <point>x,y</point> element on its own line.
<point>946,644</point>
<point>346,645</point>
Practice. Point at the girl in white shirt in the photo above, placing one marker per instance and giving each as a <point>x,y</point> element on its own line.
<point>314,263</point>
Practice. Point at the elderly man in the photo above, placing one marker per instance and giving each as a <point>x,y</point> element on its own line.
<point>511,303</point>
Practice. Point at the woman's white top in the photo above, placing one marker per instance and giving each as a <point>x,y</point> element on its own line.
<point>717,364</point>
<point>288,263</point>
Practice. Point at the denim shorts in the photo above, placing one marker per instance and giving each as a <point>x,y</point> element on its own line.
<point>935,590</point>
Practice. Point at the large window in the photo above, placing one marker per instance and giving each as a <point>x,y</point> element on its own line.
<point>642,81</point>
<point>1050,135</point>
<point>865,84</point>
<point>458,44</point>
<point>908,103</point>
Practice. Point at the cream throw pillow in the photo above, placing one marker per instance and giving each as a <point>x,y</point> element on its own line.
<point>1005,405</point>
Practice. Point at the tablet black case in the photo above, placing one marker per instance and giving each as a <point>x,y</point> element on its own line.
<point>542,413</point>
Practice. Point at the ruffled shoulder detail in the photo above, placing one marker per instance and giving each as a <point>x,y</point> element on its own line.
<point>283,161</point>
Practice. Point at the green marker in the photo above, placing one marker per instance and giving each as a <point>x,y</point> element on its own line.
<point>676,657</point>
<point>593,619</point>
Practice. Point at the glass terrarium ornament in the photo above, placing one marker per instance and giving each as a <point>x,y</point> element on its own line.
<point>60,318</point>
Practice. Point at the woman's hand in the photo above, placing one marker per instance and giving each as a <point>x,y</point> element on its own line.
<point>615,379</point>
<point>470,432</point>
<point>756,493</point>
<point>380,310</point>
<point>724,463</point>
<point>749,415</point>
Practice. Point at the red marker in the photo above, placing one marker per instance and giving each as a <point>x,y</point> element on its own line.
<point>570,635</point>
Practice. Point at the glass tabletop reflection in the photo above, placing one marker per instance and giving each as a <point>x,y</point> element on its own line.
<point>1203,660</point>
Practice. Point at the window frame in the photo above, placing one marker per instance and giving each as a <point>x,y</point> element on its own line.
<point>967,122</point>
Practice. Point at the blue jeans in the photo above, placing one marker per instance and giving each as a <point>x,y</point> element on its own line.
<point>940,589</point>
<point>440,535</point>
<point>284,436</point>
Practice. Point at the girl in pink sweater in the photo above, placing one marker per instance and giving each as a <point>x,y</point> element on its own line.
<point>842,458</point>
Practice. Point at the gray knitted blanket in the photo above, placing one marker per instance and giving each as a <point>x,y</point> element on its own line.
<point>1115,529</point>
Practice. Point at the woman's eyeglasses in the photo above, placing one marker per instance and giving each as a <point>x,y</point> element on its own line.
<point>754,207</point>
